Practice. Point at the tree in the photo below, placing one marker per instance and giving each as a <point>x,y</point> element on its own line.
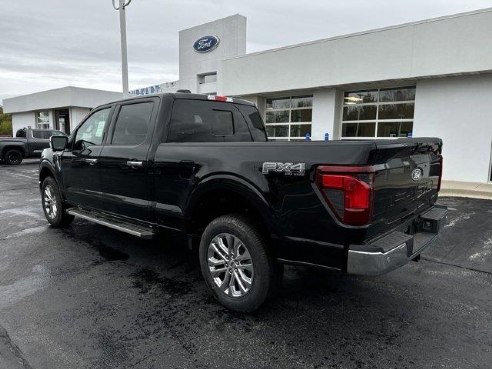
<point>5,123</point>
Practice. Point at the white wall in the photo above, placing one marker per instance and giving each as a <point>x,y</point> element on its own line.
<point>21,120</point>
<point>232,34</point>
<point>76,116</point>
<point>450,45</point>
<point>458,111</point>
<point>324,114</point>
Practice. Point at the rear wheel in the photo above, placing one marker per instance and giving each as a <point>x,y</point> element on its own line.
<point>13,157</point>
<point>53,204</point>
<point>236,264</point>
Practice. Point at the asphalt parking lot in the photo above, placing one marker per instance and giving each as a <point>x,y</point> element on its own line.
<point>91,297</point>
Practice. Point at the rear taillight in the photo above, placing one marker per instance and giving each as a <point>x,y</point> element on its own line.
<point>348,192</point>
<point>440,173</point>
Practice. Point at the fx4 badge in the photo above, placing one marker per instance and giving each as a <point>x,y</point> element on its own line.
<point>289,169</point>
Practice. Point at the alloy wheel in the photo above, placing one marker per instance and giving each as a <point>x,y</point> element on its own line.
<point>230,265</point>
<point>50,204</point>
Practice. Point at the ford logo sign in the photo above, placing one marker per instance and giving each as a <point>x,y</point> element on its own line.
<point>206,44</point>
<point>416,174</point>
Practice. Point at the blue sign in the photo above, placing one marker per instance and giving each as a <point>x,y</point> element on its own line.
<point>206,44</point>
<point>146,90</point>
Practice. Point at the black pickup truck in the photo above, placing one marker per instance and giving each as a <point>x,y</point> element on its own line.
<point>28,143</point>
<point>202,166</point>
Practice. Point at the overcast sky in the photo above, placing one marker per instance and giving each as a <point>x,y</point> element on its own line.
<point>54,43</point>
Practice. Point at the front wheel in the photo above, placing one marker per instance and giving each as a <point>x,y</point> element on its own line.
<point>236,264</point>
<point>13,157</point>
<point>53,204</point>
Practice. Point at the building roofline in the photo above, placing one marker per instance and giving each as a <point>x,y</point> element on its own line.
<point>366,32</point>
<point>58,89</point>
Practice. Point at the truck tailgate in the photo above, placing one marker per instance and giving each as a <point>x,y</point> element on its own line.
<point>406,181</point>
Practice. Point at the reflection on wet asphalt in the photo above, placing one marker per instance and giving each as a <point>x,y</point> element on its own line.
<point>90,297</point>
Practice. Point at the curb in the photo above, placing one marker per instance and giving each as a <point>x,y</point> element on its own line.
<point>472,190</point>
<point>465,193</point>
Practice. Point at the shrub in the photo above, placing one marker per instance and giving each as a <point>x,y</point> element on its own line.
<point>5,123</point>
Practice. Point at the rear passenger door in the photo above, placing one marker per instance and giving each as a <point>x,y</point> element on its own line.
<point>123,162</point>
<point>186,148</point>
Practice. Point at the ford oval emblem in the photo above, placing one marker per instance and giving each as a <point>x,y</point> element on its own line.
<point>416,174</point>
<point>206,44</point>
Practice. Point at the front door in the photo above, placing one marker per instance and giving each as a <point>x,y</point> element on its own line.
<point>123,162</point>
<point>39,140</point>
<point>80,162</point>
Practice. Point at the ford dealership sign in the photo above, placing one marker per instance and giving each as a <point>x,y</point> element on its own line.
<point>206,44</point>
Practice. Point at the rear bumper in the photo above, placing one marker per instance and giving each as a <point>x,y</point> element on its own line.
<point>396,248</point>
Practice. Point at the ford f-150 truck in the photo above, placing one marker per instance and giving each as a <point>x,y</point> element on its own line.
<point>202,166</point>
<point>28,143</point>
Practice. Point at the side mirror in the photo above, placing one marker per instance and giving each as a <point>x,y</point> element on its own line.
<point>58,143</point>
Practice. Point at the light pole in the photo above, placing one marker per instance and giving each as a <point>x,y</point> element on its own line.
<point>120,5</point>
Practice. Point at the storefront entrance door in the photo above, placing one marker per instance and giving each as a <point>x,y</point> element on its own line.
<point>62,120</point>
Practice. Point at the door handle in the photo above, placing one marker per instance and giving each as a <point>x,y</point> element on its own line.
<point>91,161</point>
<point>134,164</point>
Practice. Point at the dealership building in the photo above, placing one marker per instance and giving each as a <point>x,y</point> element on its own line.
<point>426,78</point>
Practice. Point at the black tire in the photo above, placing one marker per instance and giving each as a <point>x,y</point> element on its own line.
<point>13,157</point>
<point>263,271</point>
<point>52,202</point>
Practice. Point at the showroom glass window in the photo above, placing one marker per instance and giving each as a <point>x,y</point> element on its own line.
<point>43,120</point>
<point>378,113</point>
<point>289,118</point>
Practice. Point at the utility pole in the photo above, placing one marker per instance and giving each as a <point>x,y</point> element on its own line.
<point>122,4</point>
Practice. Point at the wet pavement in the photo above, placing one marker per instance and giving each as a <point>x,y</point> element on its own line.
<point>91,297</point>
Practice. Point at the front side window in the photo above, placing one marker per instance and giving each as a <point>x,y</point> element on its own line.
<point>42,120</point>
<point>133,124</point>
<point>91,132</point>
<point>289,118</point>
<point>57,133</point>
<point>378,113</point>
<point>204,121</point>
<point>38,134</point>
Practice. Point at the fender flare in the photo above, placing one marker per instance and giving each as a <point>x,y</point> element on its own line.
<point>237,185</point>
<point>8,147</point>
<point>43,166</point>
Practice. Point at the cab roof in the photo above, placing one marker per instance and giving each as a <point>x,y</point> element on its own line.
<point>187,96</point>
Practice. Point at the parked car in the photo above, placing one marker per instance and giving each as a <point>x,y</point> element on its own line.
<point>28,143</point>
<point>204,168</point>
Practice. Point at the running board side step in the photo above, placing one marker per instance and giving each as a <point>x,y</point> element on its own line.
<point>110,222</point>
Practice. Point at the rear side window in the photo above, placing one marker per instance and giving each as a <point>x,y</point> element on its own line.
<point>45,134</point>
<point>206,121</point>
<point>256,124</point>
<point>133,124</point>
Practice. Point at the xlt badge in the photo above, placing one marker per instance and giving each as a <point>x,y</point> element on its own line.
<point>289,169</point>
